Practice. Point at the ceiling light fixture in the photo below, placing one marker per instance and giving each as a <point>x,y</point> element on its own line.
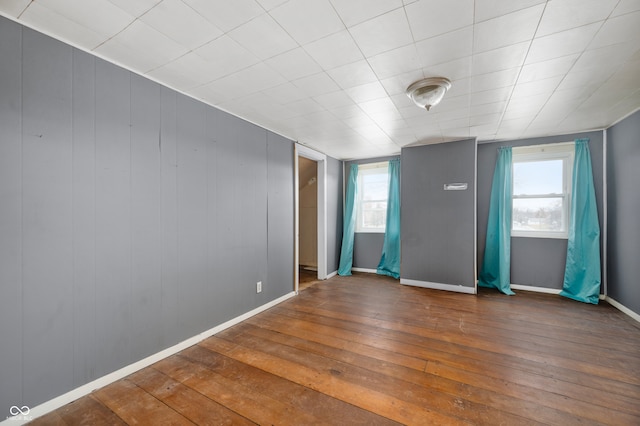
<point>428,92</point>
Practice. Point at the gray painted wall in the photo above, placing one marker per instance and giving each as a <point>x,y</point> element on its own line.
<point>623,240</point>
<point>438,227</point>
<point>367,246</point>
<point>537,262</point>
<point>132,217</point>
<point>334,213</point>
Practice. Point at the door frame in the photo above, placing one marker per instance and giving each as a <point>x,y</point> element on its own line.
<point>321,160</point>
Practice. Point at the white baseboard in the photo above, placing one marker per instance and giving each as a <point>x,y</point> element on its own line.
<point>103,381</point>
<point>332,274</point>
<point>608,299</point>
<point>369,271</point>
<point>622,308</point>
<point>438,286</point>
<point>535,289</point>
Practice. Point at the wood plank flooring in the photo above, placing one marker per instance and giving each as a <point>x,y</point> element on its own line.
<point>367,350</point>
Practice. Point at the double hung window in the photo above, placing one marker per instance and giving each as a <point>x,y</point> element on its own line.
<point>542,190</point>
<point>371,202</point>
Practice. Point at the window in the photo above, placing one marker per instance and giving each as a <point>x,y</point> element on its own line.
<point>542,190</point>
<point>371,204</point>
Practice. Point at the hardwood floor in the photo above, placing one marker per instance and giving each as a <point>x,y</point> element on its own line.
<point>367,350</point>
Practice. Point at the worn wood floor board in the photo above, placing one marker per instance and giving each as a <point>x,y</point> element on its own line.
<point>367,350</point>
<point>303,398</point>
<point>518,407</point>
<point>567,358</point>
<point>330,382</point>
<point>183,399</point>
<point>519,379</point>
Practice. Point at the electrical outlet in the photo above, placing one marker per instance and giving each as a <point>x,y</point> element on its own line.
<point>259,287</point>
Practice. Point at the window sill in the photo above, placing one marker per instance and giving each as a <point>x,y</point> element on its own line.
<point>547,235</point>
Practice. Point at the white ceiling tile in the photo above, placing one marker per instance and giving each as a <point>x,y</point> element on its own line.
<point>51,22</point>
<point>546,69</point>
<point>394,127</point>
<point>507,29</point>
<point>353,12</point>
<point>135,8</point>
<point>294,64</point>
<point>626,6</point>
<point>100,16</point>
<point>490,96</point>
<point>500,59</point>
<point>317,84</point>
<point>412,112</point>
<point>270,4</point>
<point>142,39</point>
<point>484,132</point>
<point>566,14</point>
<point>459,87</point>
<point>525,90</point>
<point>485,119</point>
<point>285,93</point>
<point>227,15</point>
<point>259,77</point>
<point>181,23</point>
<point>609,56</point>
<point>487,9</point>
<point>453,70</point>
<point>445,48</point>
<point>433,18</point>
<point>494,80</point>
<point>325,53</point>
<point>525,108</point>
<point>379,105</point>
<point>305,106</point>
<point>263,37</point>
<point>585,80</point>
<point>454,114</point>
<point>353,74</point>
<point>334,100</point>
<point>121,54</point>
<point>367,92</point>
<point>383,33</point>
<point>228,55</point>
<point>15,7</point>
<point>450,103</point>
<point>395,62</point>
<point>618,30</point>
<point>562,44</point>
<point>187,71</point>
<point>398,84</point>
<point>401,100</point>
<point>457,124</point>
<point>490,108</point>
<point>307,21</point>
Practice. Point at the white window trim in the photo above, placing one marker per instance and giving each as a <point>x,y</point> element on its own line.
<point>363,169</point>
<point>558,151</point>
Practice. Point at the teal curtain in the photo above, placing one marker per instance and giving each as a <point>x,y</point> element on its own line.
<point>496,265</point>
<point>346,252</point>
<point>582,270</point>
<point>390,260</point>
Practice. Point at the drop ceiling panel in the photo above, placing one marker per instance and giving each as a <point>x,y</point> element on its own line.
<point>353,12</point>
<point>383,33</point>
<point>181,23</point>
<point>333,73</point>
<point>227,15</point>
<point>307,21</point>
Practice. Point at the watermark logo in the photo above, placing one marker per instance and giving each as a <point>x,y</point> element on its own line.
<point>19,413</point>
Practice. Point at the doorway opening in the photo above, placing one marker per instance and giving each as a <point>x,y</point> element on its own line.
<point>310,217</point>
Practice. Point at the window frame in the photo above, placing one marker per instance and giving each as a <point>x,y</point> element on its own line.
<point>564,151</point>
<point>369,169</point>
